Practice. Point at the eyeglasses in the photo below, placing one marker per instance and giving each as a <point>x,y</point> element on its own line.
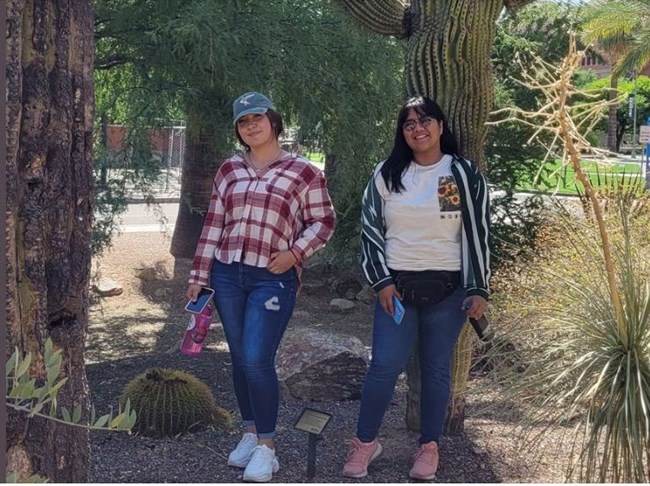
<point>425,122</point>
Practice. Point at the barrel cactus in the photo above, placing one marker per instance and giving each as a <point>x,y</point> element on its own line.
<point>169,402</point>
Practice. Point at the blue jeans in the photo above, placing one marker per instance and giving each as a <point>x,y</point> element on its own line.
<point>255,306</point>
<point>437,328</point>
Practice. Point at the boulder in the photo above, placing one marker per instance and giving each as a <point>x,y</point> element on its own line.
<point>107,287</point>
<point>147,274</point>
<point>320,366</point>
<point>345,285</point>
<point>342,304</point>
<point>366,295</point>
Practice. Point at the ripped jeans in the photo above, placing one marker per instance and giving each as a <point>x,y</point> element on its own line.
<point>255,306</point>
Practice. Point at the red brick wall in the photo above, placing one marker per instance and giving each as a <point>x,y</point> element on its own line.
<point>159,138</point>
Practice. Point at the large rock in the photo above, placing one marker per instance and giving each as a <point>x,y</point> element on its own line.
<point>342,304</point>
<point>319,366</point>
<point>366,295</point>
<point>107,287</point>
<point>345,286</point>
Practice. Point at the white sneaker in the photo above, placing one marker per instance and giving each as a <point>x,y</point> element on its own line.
<point>262,465</point>
<point>242,453</point>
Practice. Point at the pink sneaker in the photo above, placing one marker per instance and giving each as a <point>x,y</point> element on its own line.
<point>425,462</point>
<point>360,455</point>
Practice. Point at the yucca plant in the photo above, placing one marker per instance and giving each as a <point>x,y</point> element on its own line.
<point>587,343</point>
<point>580,370</point>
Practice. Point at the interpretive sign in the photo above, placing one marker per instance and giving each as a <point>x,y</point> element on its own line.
<point>313,422</point>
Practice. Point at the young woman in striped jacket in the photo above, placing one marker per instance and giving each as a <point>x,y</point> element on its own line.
<point>425,248</point>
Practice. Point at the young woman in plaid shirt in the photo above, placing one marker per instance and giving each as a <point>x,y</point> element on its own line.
<point>269,211</point>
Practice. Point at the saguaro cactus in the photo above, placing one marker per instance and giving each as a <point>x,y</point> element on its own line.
<point>448,57</point>
<point>448,60</point>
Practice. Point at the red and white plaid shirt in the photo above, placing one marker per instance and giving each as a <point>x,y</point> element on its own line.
<point>252,214</point>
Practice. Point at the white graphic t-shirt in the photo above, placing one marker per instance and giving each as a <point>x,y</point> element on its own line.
<point>423,222</point>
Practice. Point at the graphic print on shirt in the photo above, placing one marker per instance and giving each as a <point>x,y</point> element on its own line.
<point>448,196</point>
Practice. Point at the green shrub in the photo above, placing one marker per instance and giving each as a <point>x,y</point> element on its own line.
<point>169,402</point>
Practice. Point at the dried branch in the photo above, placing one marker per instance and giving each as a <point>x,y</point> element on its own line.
<point>570,122</point>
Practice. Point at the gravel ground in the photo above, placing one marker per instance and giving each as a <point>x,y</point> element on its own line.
<point>142,328</point>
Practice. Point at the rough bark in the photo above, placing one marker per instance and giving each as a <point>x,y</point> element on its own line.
<point>201,161</point>
<point>49,215</point>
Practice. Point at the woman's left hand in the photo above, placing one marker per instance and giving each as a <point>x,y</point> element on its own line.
<point>475,306</point>
<point>281,261</point>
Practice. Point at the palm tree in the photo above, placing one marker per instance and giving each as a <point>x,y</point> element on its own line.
<point>621,30</point>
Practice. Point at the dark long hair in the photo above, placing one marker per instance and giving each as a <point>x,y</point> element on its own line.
<point>401,156</point>
<point>276,124</point>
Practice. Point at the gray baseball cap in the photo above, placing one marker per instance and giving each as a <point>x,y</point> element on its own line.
<point>251,102</point>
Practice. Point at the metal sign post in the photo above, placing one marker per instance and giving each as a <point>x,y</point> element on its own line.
<point>313,422</point>
<point>644,137</point>
<point>647,166</point>
<point>634,118</point>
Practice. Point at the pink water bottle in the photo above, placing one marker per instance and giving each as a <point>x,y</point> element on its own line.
<point>197,329</point>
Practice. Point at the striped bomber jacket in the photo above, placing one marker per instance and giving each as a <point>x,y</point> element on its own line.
<point>475,259</point>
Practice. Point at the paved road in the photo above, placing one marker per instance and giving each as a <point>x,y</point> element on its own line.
<point>162,217</point>
<point>141,218</point>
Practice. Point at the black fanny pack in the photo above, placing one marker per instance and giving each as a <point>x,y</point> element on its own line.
<point>426,287</point>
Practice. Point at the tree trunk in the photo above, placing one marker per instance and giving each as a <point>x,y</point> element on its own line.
<point>331,164</point>
<point>49,216</point>
<point>621,128</point>
<point>203,155</point>
<point>612,120</point>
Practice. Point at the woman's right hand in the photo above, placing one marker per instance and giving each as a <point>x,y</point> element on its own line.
<point>193,292</point>
<point>386,298</point>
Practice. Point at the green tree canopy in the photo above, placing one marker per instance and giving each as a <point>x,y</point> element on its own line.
<point>341,85</point>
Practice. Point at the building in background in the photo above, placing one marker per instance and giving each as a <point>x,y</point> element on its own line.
<point>601,67</point>
<point>167,143</point>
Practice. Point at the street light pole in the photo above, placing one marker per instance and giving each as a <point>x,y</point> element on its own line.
<point>634,118</point>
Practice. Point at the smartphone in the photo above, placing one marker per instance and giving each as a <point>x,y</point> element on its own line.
<point>197,306</point>
<point>398,311</point>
